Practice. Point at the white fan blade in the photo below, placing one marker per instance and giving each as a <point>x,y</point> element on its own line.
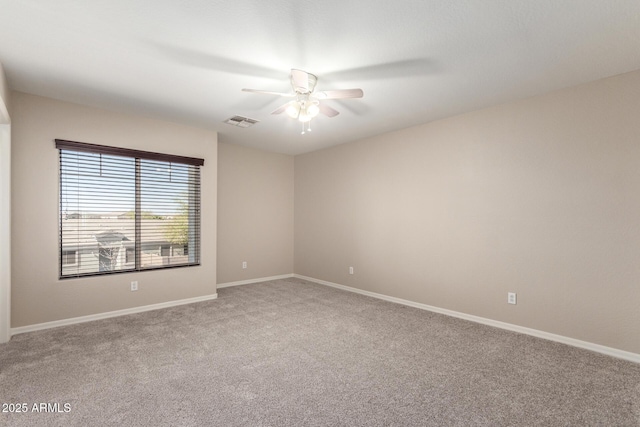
<point>339,94</point>
<point>266,92</point>
<point>300,81</point>
<point>282,109</point>
<point>328,111</point>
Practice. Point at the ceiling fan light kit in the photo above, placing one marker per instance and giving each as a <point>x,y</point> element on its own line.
<point>303,111</point>
<point>307,104</point>
<point>304,108</point>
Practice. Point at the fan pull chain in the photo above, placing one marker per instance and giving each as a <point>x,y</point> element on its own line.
<point>308,127</point>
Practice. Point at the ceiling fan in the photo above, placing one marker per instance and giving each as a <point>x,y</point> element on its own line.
<point>306,104</point>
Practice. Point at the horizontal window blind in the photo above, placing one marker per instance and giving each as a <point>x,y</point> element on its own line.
<point>126,210</point>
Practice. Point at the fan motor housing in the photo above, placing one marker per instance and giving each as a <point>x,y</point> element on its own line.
<point>311,85</point>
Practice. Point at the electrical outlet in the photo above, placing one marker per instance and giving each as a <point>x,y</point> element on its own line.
<point>511,297</point>
<point>244,265</point>
<point>350,270</point>
<point>134,285</point>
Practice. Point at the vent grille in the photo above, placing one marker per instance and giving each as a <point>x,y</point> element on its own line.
<point>242,122</point>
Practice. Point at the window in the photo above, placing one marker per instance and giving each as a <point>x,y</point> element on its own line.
<point>123,210</point>
<point>164,250</point>
<point>130,255</point>
<point>69,257</point>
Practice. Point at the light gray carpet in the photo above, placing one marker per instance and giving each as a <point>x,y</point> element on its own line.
<point>293,353</point>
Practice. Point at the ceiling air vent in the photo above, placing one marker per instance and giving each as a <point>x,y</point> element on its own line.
<point>242,122</point>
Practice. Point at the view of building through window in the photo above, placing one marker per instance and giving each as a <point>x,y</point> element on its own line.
<point>123,213</point>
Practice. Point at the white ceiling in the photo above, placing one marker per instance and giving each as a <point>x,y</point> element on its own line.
<point>416,60</point>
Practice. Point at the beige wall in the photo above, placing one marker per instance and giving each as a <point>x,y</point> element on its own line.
<point>539,197</point>
<point>255,213</point>
<point>37,294</point>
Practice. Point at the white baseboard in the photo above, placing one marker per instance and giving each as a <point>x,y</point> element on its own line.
<point>249,281</point>
<point>620,354</point>
<point>108,314</point>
